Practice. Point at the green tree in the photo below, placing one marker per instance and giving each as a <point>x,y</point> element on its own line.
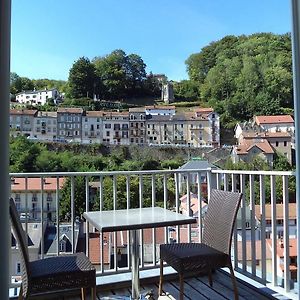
<point>82,78</point>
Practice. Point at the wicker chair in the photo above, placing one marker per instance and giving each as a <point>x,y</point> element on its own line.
<point>214,251</point>
<point>51,274</point>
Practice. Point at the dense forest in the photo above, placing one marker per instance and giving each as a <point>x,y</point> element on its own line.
<point>245,75</point>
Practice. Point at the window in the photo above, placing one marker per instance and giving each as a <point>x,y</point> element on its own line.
<point>34,197</point>
<point>277,144</point>
<point>18,268</point>
<point>107,126</point>
<point>285,143</point>
<point>62,246</point>
<point>107,133</point>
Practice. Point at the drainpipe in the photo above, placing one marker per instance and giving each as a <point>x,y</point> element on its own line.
<point>296,84</point>
<point>5,15</point>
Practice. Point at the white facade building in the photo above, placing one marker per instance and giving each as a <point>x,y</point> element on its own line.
<point>30,192</point>
<point>39,97</point>
<point>92,127</point>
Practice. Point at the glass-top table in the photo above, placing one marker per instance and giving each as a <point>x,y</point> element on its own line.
<point>133,220</point>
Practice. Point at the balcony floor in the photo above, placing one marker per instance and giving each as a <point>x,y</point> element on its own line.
<point>195,288</point>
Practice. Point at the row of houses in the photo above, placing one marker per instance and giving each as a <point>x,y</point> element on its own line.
<point>154,125</point>
<point>263,137</point>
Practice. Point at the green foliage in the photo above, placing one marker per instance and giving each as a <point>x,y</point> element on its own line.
<point>245,75</point>
<point>19,84</point>
<point>186,90</point>
<point>82,78</point>
<point>119,75</point>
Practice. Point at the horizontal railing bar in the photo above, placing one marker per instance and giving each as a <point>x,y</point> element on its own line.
<point>106,173</point>
<point>243,172</point>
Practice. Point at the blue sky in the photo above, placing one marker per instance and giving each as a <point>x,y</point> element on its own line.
<point>49,35</point>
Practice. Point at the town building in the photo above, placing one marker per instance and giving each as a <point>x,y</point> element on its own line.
<point>137,126</point>
<point>116,128</point>
<point>22,121</point>
<point>154,125</point>
<point>69,122</point>
<point>264,136</point>
<point>44,126</point>
<point>92,127</point>
<point>29,197</point>
<point>39,97</point>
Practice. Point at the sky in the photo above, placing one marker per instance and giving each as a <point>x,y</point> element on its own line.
<point>48,36</point>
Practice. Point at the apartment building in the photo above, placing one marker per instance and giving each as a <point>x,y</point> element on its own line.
<point>45,126</point>
<point>69,124</point>
<point>116,128</point>
<point>39,97</point>
<point>137,126</point>
<point>192,129</point>
<point>92,127</point>
<point>152,125</point>
<point>29,193</point>
<point>22,121</point>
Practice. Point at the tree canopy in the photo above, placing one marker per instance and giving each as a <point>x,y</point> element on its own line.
<point>245,75</point>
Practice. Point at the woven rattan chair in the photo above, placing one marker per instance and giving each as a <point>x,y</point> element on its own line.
<point>214,251</point>
<point>51,274</point>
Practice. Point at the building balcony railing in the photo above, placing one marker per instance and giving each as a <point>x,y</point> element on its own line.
<point>262,249</point>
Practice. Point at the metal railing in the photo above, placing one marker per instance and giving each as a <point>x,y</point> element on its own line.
<point>255,254</point>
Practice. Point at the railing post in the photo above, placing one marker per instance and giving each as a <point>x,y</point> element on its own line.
<point>5,16</point>
<point>296,85</point>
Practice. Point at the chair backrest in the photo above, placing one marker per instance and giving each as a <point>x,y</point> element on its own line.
<point>22,244</point>
<point>219,220</point>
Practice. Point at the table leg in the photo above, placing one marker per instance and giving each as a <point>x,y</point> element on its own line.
<point>135,261</point>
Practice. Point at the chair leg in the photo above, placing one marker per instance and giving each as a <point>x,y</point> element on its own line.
<point>83,293</point>
<point>236,294</point>
<point>161,274</point>
<point>93,291</point>
<point>181,286</point>
<point>210,281</point>
<point>21,293</point>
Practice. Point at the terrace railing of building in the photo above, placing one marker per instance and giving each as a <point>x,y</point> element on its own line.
<point>255,250</point>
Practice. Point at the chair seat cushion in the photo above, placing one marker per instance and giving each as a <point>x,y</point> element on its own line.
<point>61,272</point>
<point>192,256</point>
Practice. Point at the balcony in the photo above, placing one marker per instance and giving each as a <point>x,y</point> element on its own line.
<point>262,247</point>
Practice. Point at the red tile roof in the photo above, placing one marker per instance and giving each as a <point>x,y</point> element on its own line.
<point>246,146</point>
<point>204,110</point>
<point>70,110</point>
<point>279,211</point>
<point>34,184</point>
<point>274,119</point>
<point>30,112</point>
